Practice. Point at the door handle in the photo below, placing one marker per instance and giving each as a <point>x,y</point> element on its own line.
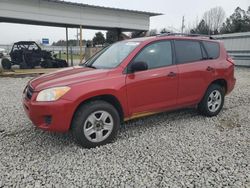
<point>172,74</point>
<point>210,68</point>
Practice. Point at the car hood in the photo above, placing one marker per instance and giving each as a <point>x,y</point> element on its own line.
<point>67,76</point>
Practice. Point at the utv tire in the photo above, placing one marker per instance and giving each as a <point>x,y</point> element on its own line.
<point>213,101</point>
<point>64,63</point>
<point>95,123</point>
<point>6,64</point>
<point>46,64</point>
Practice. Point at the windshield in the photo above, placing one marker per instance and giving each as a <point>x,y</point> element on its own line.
<point>112,56</point>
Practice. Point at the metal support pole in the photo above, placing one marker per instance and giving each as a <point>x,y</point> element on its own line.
<point>71,56</point>
<point>77,37</point>
<point>67,44</point>
<point>81,45</point>
<point>119,32</point>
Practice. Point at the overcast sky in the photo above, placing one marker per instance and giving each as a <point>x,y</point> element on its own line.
<point>173,11</point>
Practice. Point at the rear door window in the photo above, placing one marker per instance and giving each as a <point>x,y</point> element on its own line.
<point>212,49</point>
<point>188,51</point>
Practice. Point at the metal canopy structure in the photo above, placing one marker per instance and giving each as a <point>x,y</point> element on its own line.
<point>57,13</point>
<point>72,15</point>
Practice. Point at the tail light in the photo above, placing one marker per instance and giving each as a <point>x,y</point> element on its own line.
<point>230,59</point>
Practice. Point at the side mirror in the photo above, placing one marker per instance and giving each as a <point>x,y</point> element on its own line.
<point>138,66</point>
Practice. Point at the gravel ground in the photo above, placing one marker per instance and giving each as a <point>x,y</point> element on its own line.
<point>175,149</point>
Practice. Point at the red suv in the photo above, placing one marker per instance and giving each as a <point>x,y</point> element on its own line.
<point>131,79</point>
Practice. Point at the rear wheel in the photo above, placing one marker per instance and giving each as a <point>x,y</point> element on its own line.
<point>6,64</point>
<point>213,101</point>
<point>95,123</point>
<point>63,63</point>
<point>46,64</point>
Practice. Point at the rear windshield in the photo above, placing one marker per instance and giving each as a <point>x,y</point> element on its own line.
<point>212,48</point>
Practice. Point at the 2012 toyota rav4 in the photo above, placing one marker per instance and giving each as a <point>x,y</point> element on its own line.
<point>130,79</point>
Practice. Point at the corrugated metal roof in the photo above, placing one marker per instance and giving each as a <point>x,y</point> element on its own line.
<point>102,7</point>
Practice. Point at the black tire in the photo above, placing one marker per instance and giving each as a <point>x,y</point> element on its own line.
<point>61,63</point>
<point>65,64</point>
<point>209,105</point>
<point>46,64</point>
<point>6,64</point>
<point>80,121</point>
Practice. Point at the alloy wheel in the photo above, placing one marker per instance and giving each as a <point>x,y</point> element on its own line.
<point>214,101</point>
<point>98,126</point>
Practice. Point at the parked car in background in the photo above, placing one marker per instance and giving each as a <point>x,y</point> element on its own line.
<point>2,52</point>
<point>131,79</point>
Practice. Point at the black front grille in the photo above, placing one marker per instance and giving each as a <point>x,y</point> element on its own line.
<point>29,92</point>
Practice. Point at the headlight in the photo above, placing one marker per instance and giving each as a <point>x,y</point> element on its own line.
<point>52,94</point>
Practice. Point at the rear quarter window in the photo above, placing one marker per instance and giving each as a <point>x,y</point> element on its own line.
<point>212,48</point>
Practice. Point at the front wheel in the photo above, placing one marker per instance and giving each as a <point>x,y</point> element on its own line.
<point>6,64</point>
<point>95,123</point>
<point>213,101</point>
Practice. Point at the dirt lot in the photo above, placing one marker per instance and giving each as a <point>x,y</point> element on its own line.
<point>175,149</point>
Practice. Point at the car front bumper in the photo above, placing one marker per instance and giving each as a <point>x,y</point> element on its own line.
<point>50,116</point>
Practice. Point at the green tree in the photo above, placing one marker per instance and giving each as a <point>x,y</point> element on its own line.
<point>202,28</point>
<point>98,39</point>
<point>211,23</point>
<point>239,21</point>
<point>111,36</point>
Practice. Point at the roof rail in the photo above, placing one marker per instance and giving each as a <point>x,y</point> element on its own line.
<point>184,34</point>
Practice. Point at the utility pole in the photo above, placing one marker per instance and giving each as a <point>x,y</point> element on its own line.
<point>183,24</point>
